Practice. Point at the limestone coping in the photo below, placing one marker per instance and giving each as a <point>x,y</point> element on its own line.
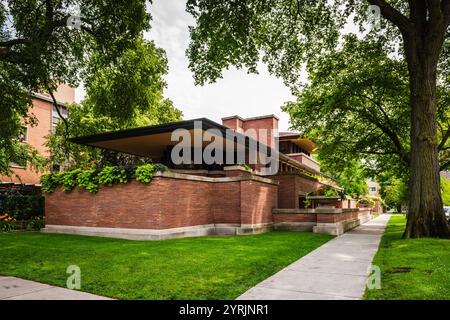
<point>236,168</point>
<point>191,177</point>
<point>315,211</point>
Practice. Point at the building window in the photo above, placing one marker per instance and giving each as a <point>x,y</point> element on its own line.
<point>56,168</point>
<point>373,189</point>
<point>55,116</point>
<point>23,135</point>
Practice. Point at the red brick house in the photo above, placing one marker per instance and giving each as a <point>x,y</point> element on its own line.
<point>194,199</point>
<point>47,118</point>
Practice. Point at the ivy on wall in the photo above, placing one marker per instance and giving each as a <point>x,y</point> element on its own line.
<point>91,180</point>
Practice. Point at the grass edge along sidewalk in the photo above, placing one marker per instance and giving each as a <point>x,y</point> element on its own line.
<point>411,269</point>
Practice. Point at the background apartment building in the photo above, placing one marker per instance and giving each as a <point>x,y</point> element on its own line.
<point>47,116</point>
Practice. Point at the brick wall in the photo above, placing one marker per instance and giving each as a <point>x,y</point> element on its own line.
<point>294,217</point>
<point>290,187</point>
<point>164,203</point>
<point>257,202</point>
<point>340,217</point>
<point>269,123</point>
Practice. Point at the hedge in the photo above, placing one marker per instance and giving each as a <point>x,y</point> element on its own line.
<point>22,207</point>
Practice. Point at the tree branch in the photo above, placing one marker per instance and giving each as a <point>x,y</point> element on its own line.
<point>444,139</point>
<point>393,15</point>
<point>444,166</point>
<point>13,42</point>
<point>385,128</point>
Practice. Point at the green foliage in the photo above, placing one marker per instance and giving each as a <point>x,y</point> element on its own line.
<point>111,175</point>
<point>357,106</point>
<point>36,223</point>
<point>132,85</point>
<point>48,183</point>
<point>67,179</point>
<point>368,201</point>
<point>87,179</point>
<point>330,192</point>
<point>145,173</point>
<point>395,193</point>
<point>7,223</point>
<point>38,52</point>
<point>352,177</point>
<point>92,179</point>
<point>22,207</point>
<point>126,94</point>
<point>307,203</point>
<point>425,264</point>
<point>245,166</point>
<point>445,191</point>
<point>324,191</point>
<point>6,226</point>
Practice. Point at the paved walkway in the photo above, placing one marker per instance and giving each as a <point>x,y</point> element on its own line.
<point>337,270</point>
<point>19,289</point>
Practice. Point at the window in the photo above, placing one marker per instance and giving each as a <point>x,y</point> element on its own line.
<point>23,135</point>
<point>55,116</point>
<point>373,189</point>
<point>56,168</point>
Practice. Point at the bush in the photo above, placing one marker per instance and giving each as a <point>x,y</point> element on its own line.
<point>37,223</point>
<point>145,173</point>
<point>7,223</point>
<point>367,201</point>
<point>22,207</point>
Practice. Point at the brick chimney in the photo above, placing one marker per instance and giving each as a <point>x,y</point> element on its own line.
<point>241,125</point>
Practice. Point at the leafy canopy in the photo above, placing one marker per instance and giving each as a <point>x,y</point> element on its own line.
<point>38,51</point>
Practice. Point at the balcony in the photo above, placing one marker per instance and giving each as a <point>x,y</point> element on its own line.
<point>305,159</point>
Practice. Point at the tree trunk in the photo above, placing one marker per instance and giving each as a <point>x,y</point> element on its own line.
<point>426,216</point>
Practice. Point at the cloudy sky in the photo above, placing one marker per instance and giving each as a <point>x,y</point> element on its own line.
<point>237,92</point>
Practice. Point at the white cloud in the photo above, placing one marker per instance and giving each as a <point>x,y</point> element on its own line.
<point>236,93</point>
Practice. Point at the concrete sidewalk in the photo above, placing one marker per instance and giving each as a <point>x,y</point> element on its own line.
<point>12,288</point>
<point>338,270</point>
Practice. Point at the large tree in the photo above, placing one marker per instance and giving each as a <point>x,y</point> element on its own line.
<point>127,93</point>
<point>356,104</point>
<point>286,33</point>
<point>39,49</point>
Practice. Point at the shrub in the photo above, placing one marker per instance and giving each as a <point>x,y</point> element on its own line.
<point>22,207</point>
<point>330,192</point>
<point>145,173</point>
<point>37,223</point>
<point>7,223</point>
<point>88,179</point>
<point>91,180</point>
<point>367,201</point>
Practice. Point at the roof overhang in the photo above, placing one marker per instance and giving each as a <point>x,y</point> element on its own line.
<point>303,143</point>
<point>152,141</point>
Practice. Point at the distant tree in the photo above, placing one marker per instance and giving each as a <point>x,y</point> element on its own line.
<point>352,177</point>
<point>38,51</point>
<point>445,190</point>
<point>395,194</point>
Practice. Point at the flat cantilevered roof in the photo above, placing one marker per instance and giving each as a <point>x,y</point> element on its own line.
<point>152,141</point>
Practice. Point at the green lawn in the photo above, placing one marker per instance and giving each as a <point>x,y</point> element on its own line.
<point>413,268</point>
<point>189,268</point>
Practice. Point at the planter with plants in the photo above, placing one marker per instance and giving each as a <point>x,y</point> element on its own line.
<point>93,179</point>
